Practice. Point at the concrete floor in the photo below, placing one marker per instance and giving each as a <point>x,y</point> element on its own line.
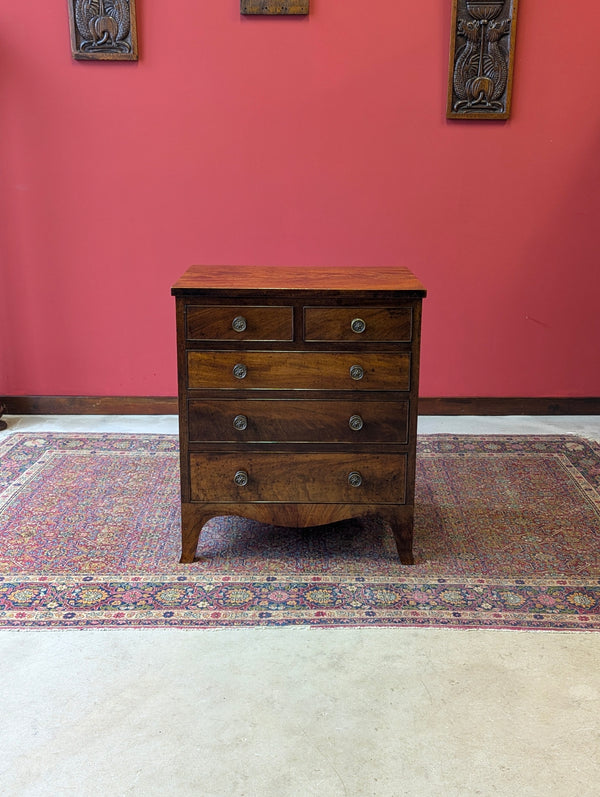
<point>299,712</point>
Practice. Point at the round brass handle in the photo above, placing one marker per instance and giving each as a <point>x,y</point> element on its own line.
<point>240,371</point>
<point>354,479</point>
<point>356,372</point>
<point>241,478</point>
<point>358,325</point>
<point>239,323</point>
<point>240,422</point>
<point>355,423</point>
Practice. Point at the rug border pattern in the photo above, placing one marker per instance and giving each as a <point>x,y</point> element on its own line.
<point>211,601</point>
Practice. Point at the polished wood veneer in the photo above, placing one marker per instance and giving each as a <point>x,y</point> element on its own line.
<point>381,323</point>
<point>293,421</point>
<point>307,478</point>
<point>262,323</point>
<point>294,370</point>
<point>298,391</point>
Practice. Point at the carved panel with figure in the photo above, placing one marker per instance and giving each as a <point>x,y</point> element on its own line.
<point>103,30</point>
<point>269,7</point>
<point>482,50</point>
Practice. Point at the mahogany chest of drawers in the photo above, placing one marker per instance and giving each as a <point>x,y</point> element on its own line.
<point>298,392</point>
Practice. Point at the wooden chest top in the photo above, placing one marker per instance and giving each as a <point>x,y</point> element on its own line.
<point>302,278</point>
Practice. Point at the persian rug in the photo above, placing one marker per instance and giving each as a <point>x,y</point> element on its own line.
<point>507,535</point>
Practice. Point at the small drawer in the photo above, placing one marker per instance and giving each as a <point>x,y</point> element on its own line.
<point>223,477</point>
<point>297,370</point>
<point>239,323</point>
<point>290,421</point>
<point>358,324</point>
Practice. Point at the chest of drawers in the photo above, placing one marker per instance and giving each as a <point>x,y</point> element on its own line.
<point>298,392</point>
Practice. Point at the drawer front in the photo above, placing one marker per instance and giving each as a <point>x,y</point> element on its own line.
<point>223,477</point>
<point>289,421</point>
<point>239,323</point>
<point>359,324</point>
<point>298,370</point>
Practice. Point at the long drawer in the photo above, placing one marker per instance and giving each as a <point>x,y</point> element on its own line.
<point>298,370</point>
<point>224,477</point>
<point>290,421</point>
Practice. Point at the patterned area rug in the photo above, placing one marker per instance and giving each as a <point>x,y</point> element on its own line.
<point>507,535</point>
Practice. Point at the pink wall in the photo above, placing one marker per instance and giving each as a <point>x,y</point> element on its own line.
<point>298,140</point>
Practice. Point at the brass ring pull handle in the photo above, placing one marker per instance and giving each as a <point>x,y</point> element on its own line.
<point>239,323</point>
<point>354,479</point>
<point>358,325</point>
<point>355,423</point>
<point>240,422</point>
<point>240,371</point>
<point>241,478</point>
<point>356,372</point>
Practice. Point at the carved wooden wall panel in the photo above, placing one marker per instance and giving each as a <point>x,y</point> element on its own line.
<point>103,30</point>
<point>482,50</point>
<point>274,6</point>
